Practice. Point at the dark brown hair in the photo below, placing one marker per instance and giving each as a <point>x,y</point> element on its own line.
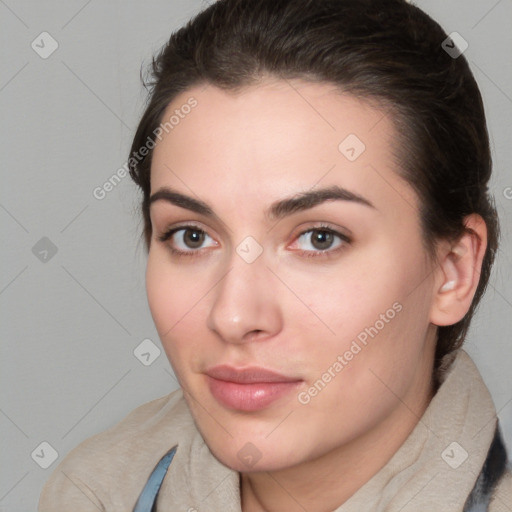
<point>385,51</point>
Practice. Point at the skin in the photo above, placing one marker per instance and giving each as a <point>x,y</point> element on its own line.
<point>294,314</point>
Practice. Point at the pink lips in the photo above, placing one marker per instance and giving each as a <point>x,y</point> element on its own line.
<point>248,389</point>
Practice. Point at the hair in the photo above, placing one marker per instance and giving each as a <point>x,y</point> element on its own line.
<point>388,52</point>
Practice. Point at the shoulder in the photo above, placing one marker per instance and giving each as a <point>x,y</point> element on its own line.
<point>502,497</point>
<point>107,470</point>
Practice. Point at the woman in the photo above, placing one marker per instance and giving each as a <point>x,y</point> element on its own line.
<point>319,233</point>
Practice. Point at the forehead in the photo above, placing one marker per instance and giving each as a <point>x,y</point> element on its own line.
<point>275,138</point>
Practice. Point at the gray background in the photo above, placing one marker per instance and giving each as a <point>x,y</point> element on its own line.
<point>70,324</point>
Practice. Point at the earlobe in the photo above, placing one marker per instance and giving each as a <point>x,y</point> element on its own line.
<point>458,273</point>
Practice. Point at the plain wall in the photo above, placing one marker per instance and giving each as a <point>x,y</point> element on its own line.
<point>70,324</point>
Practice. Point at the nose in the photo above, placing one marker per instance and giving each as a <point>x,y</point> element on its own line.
<point>245,305</point>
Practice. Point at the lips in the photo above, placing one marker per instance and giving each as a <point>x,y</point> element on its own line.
<point>248,389</point>
<point>249,375</point>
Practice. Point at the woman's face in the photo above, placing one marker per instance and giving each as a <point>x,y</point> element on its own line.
<point>295,327</point>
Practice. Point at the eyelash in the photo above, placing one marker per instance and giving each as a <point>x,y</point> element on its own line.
<point>328,253</point>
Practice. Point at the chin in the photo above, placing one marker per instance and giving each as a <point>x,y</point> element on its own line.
<point>249,459</point>
<point>243,444</point>
<point>249,453</point>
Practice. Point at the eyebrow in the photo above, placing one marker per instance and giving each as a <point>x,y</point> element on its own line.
<point>277,210</point>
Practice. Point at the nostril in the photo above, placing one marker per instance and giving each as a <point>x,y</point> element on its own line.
<point>254,334</point>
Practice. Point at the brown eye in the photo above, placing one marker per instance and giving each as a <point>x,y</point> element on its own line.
<point>322,239</point>
<point>193,238</point>
<point>187,243</point>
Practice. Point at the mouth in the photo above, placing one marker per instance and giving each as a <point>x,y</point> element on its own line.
<point>248,389</point>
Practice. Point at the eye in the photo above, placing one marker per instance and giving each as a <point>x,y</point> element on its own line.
<point>187,242</point>
<point>322,239</point>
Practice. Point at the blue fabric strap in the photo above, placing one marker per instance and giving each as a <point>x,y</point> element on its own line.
<point>147,499</point>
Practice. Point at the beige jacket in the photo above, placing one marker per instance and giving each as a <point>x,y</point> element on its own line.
<point>108,471</point>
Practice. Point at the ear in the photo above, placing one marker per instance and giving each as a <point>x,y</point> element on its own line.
<point>458,273</point>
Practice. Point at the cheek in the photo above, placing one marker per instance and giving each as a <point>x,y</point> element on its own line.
<point>171,290</point>
<point>341,300</point>
<point>161,292</point>
<point>168,301</point>
<point>374,313</point>
<point>178,303</point>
